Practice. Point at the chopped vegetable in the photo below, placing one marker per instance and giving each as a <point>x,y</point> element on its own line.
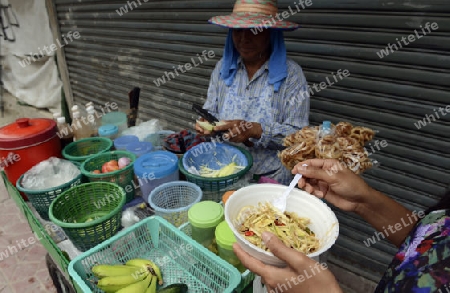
<point>289,227</point>
<point>123,162</point>
<point>227,170</point>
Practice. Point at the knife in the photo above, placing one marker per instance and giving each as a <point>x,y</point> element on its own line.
<point>213,120</point>
<point>205,114</point>
<point>133,98</point>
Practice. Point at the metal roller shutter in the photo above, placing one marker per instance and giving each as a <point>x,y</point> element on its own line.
<point>389,94</point>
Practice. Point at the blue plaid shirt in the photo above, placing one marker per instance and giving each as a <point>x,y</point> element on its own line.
<point>290,110</point>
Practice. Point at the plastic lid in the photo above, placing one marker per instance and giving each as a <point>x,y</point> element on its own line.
<point>139,148</point>
<point>226,196</point>
<point>225,236</point>
<point>25,132</point>
<point>326,125</point>
<point>107,130</point>
<point>124,140</point>
<point>61,120</point>
<point>206,214</point>
<point>157,164</point>
<point>116,118</point>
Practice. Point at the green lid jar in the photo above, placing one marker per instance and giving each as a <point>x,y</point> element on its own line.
<point>225,239</point>
<point>204,218</point>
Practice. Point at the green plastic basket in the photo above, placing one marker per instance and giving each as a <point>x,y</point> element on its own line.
<point>89,213</point>
<point>123,177</point>
<point>246,277</point>
<point>213,188</point>
<point>181,259</point>
<point>41,199</point>
<point>83,149</point>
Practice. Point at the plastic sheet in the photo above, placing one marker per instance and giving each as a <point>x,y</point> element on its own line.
<point>50,173</point>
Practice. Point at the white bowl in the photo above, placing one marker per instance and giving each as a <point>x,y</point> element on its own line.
<point>323,220</point>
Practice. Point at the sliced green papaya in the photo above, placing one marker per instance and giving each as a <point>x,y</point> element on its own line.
<point>208,126</point>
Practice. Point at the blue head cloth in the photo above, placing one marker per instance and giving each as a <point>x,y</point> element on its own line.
<point>277,61</point>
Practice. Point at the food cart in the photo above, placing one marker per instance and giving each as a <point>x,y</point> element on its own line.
<point>61,250</point>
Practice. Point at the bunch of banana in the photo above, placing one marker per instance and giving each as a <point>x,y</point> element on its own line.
<point>136,276</point>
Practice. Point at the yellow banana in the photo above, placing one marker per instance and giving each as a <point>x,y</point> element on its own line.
<point>139,287</point>
<point>139,262</point>
<point>152,287</point>
<point>101,271</point>
<point>112,288</point>
<point>118,282</point>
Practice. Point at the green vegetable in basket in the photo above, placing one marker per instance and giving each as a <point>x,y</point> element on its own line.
<point>174,288</point>
<point>227,170</point>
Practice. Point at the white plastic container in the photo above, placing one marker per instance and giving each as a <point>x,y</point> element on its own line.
<point>323,220</point>
<point>154,169</point>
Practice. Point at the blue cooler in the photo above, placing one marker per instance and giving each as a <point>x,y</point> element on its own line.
<point>140,148</point>
<point>121,142</point>
<point>154,169</point>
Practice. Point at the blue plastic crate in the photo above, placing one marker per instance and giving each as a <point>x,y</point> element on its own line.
<point>180,258</point>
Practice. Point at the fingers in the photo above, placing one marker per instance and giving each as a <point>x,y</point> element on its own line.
<point>292,257</point>
<point>250,262</point>
<point>313,172</point>
<point>224,127</point>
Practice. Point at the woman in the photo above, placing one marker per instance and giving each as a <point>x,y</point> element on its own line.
<point>422,263</point>
<point>260,93</point>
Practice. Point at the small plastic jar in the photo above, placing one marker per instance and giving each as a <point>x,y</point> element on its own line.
<point>204,218</point>
<point>140,148</point>
<point>225,239</point>
<point>110,131</point>
<point>121,142</point>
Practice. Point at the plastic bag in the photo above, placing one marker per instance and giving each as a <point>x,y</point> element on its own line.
<point>213,156</point>
<point>50,173</point>
<point>144,129</point>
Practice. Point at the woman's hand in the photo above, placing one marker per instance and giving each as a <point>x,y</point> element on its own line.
<point>302,274</point>
<point>200,130</point>
<point>240,130</point>
<point>333,181</point>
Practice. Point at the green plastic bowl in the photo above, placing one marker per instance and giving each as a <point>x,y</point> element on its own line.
<point>213,188</point>
<point>123,177</point>
<point>89,213</point>
<point>83,149</point>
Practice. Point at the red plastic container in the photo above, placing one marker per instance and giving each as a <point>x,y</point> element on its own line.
<point>25,143</point>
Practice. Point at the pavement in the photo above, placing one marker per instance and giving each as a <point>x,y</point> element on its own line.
<point>22,257</point>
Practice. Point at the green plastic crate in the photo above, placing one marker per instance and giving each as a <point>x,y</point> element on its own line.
<point>123,177</point>
<point>247,276</point>
<point>38,228</point>
<point>181,259</point>
<point>89,213</point>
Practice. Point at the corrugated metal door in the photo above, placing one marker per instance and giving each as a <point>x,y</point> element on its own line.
<point>391,94</point>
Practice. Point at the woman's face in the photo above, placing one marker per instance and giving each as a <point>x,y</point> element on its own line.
<point>250,46</point>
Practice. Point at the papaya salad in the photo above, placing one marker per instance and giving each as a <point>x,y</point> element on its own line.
<point>289,227</point>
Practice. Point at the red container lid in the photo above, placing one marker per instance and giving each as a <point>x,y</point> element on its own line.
<point>26,132</point>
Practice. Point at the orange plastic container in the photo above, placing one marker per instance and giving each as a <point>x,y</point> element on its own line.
<point>227,195</point>
<point>25,143</point>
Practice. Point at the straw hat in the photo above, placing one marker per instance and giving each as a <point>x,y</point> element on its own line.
<point>254,13</point>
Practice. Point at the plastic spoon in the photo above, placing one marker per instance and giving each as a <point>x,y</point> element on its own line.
<point>280,203</point>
